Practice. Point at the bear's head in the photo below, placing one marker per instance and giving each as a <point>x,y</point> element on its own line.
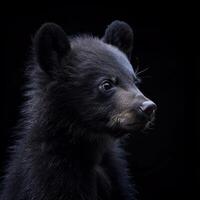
<point>91,81</point>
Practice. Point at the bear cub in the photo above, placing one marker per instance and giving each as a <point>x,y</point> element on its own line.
<point>82,100</point>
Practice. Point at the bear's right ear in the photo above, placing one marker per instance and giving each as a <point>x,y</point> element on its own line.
<point>51,45</point>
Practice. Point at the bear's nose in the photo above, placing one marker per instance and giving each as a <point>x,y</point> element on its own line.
<point>148,107</point>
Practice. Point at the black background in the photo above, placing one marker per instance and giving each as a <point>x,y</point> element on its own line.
<point>160,161</point>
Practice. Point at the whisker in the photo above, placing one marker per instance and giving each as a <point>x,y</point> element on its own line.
<point>137,69</point>
<point>142,71</point>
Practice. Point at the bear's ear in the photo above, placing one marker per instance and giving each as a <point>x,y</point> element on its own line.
<point>51,45</point>
<point>120,34</point>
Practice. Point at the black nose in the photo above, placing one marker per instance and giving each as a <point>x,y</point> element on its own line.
<point>148,107</point>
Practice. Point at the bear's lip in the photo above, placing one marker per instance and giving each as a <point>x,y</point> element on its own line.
<point>135,125</point>
<point>131,127</point>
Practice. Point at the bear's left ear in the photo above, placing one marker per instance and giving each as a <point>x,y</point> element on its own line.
<point>120,34</point>
<point>51,45</point>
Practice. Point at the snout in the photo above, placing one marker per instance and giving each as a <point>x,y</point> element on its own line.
<point>148,108</point>
<point>134,112</point>
<point>145,114</point>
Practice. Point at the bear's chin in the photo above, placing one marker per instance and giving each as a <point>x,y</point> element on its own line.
<point>127,130</point>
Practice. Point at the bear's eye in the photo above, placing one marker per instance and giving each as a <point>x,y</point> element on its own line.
<point>106,85</point>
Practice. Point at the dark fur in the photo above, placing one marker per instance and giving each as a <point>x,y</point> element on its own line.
<point>67,150</point>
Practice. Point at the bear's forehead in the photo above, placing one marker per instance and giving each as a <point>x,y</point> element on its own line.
<point>96,53</point>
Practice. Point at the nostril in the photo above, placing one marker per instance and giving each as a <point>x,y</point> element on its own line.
<point>148,107</point>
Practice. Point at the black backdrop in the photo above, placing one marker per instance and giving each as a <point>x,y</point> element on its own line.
<point>159,160</point>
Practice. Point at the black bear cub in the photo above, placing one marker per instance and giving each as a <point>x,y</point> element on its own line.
<point>82,99</point>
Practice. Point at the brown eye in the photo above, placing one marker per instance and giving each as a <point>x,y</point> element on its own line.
<point>106,85</point>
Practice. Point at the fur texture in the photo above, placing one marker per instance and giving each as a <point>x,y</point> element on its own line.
<point>82,101</point>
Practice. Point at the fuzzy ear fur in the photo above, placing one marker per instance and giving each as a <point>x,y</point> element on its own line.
<point>51,45</point>
<point>120,34</point>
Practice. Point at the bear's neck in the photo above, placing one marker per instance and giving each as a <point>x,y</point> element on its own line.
<point>71,141</point>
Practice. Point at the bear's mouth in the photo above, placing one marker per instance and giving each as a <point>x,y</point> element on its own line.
<point>132,125</point>
<point>139,125</point>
